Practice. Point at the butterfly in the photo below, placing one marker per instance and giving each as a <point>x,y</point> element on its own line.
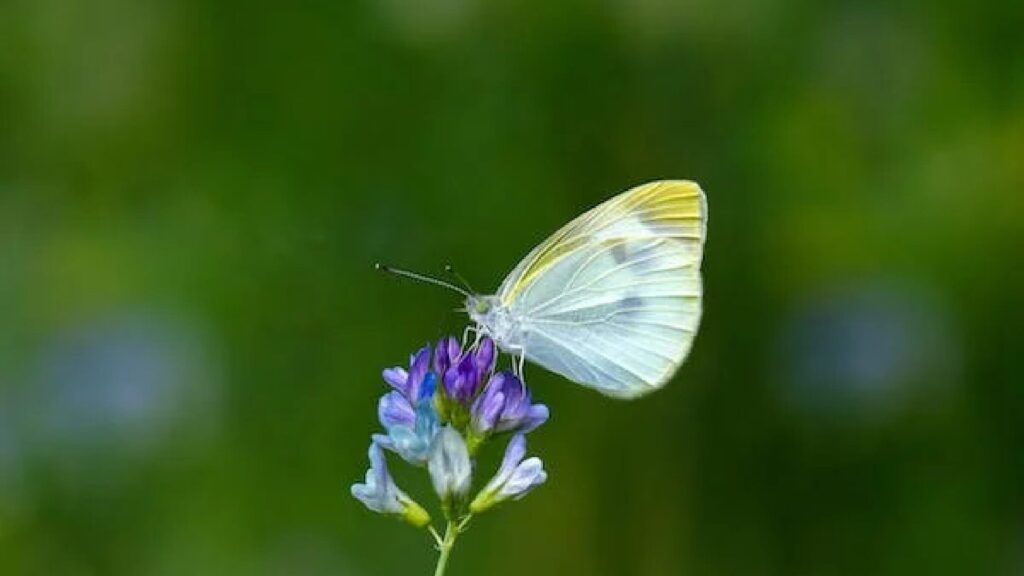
<point>613,299</point>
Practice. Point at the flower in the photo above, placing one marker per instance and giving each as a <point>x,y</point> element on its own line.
<point>449,466</point>
<point>409,383</point>
<point>394,409</point>
<point>447,353</point>
<point>412,441</point>
<point>380,494</point>
<point>486,354</point>
<point>407,412</point>
<point>515,479</point>
<point>505,406</point>
<point>462,379</point>
<point>462,372</point>
<point>436,414</point>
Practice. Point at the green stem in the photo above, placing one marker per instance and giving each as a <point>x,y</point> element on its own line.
<point>450,534</point>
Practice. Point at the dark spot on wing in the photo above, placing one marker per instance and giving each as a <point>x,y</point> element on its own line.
<point>619,253</point>
<point>631,302</point>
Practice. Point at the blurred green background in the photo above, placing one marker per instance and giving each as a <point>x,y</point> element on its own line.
<point>192,195</point>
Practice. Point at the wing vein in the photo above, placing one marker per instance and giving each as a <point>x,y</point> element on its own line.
<point>610,359</point>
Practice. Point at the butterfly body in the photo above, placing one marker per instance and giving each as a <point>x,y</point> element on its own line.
<point>497,321</point>
<point>613,299</point>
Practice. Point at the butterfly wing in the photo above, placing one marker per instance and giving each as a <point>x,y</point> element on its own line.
<point>612,300</point>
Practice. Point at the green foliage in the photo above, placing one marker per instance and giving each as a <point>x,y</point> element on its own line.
<point>193,194</point>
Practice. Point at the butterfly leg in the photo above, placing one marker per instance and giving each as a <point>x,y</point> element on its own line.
<point>518,359</point>
<point>470,330</point>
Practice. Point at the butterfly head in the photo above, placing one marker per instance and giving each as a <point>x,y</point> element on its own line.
<point>491,317</point>
<point>481,309</point>
<point>477,305</point>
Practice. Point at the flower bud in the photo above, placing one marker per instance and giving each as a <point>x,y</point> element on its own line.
<point>515,479</point>
<point>380,494</point>
<point>449,466</point>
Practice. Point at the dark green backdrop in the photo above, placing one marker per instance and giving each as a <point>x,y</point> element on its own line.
<point>192,195</point>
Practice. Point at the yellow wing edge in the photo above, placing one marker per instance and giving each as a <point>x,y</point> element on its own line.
<point>652,202</point>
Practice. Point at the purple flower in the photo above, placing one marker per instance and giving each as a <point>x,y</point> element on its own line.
<point>407,412</point>
<point>447,353</point>
<point>380,494</point>
<point>394,409</point>
<point>462,379</point>
<point>410,383</point>
<point>489,405</point>
<point>412,441</point>
<point>515,479</point>
<point>397,409</point>
<point>504,406</point>
<point>436,414</point>
<point>462,372</point>
<point>486,354</point>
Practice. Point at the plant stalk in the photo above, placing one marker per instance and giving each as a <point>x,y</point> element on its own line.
<point>451,532</point>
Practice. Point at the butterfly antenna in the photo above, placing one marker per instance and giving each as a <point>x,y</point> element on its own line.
<point>451,270</point>
<point>421,278</point>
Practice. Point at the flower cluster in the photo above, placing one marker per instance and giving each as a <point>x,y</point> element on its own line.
<point>438,414</point>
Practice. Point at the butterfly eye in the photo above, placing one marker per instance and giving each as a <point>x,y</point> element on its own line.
<point>482,306</point>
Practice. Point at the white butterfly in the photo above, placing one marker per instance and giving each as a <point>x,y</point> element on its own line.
<point>612,300</point>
